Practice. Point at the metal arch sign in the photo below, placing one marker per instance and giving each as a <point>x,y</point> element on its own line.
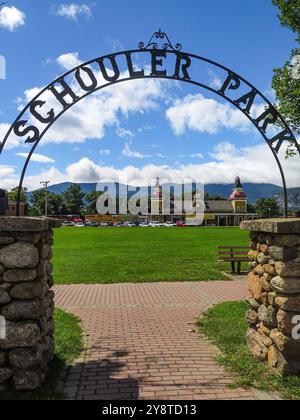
<point>60,95</point>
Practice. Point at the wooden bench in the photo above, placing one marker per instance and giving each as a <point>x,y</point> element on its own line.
<point>234,254</point>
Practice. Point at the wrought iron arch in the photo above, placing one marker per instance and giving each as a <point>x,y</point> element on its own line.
<point>35,131</point>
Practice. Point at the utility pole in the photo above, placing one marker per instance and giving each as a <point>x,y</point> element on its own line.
<point>45,184</point>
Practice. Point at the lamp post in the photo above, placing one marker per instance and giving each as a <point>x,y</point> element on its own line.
<point>45,184</point>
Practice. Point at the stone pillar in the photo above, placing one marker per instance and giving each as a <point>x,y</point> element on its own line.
<point>26,300</point>
<point>274,284</point>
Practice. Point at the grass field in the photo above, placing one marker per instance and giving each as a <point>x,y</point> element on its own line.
<point>225,325</point>
<point>114,255</point>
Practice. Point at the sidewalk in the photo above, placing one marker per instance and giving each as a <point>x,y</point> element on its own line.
<point>142,342</point>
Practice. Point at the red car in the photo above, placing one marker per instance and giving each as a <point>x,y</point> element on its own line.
<point>180,224</point>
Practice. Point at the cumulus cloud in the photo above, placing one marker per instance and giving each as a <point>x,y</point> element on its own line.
<point>254,164</point>
<point>197,113</point>
<point>13,141</point>
<point>37,158</point>
<point>11,18</point>
<point>74,11</point>
<point>69,61</point>
<point>128,152</point>
<point>90,117</point>
<point>216,81</point>
<point>124,133</point>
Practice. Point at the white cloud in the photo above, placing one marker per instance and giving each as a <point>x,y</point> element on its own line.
<point>123,133</point>
<point>69,61</point>
<point>37,158</point>
<point>128,152</point>
<point>91,116</point>
<point>197,113</point>
<point>253,164</point>
<point>105,152</point>
<point>216,82</point>
<point>6,170</point>
<point>11,18</point>
<point>74,11</point>
<point>13,140</point>
<point>197,156</point>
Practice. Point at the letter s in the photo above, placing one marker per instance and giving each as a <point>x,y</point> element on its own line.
<point>31,129</point>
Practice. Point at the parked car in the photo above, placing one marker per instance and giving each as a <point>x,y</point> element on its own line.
<point>144,225</point>
<point>79,224</point>
<point>78,220</point>
<point>129,224</point>
<point>92,224</point>
<point>169,224</point>
<point>153,224</point>
<point>104,224</point>
<point>68,224</point>
<point>180,224</point>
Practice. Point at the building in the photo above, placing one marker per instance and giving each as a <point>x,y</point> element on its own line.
<point>12,208</point>
<point>229,212</point>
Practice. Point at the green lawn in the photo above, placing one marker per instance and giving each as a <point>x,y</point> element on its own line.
<point>225,325</point>
<point>116,255</point>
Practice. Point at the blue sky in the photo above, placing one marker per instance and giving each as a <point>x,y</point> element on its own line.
<point>141,129</point>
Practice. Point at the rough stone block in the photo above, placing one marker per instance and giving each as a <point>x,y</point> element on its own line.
<point>20,334</point>
<point>19,310</point>
<point>19,276</point>
<point>286,285</point>
<point>19,255</point>
<point>282,254</point>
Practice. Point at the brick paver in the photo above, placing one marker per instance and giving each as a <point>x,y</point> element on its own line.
<point>142,342</point>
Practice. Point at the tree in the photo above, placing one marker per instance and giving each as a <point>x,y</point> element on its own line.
<point>251,208</point>
<point>92,199</point>
<point>13,194</point>
<point>286,80</point>
<point>56,204</point>
<point>73,197</point>
<point>267,207</point>
<point>290,14</point>
<point>209,197</point>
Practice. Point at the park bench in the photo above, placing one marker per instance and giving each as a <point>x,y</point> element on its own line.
<point>234,254</point>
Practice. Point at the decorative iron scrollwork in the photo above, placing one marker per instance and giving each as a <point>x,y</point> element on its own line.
<point>167,45</point>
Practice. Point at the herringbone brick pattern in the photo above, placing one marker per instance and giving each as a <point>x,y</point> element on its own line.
<point>142,342</point>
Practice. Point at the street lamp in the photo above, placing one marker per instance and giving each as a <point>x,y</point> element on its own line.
<point>270,212</point>
<point>45,184</point>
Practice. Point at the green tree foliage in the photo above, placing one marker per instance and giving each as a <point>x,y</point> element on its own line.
<point>251,208</point>
<point>92,199</point>
<point>56,204</point>
<point>289,14</point>
<point>209,197</point>
<point>73,198</point>
<point>13,194</point>
<point>286,80</point>
<point>267,207</point>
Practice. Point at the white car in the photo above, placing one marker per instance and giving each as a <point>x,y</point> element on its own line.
<point>79,225</point>
<point>169,225</point>
<point>154,224</point>
<point>68,224</point>
<point>143,225</point>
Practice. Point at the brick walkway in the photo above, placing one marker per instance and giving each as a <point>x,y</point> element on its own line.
<point>141,343</point>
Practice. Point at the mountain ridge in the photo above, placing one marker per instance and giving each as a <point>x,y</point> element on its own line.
<point>254,191</point>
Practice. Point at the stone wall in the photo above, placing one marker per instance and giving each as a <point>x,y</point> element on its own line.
<point>26,300</point>
<point>274,284</point>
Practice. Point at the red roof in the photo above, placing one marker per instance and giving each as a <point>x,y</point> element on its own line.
<point>237,195</point>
